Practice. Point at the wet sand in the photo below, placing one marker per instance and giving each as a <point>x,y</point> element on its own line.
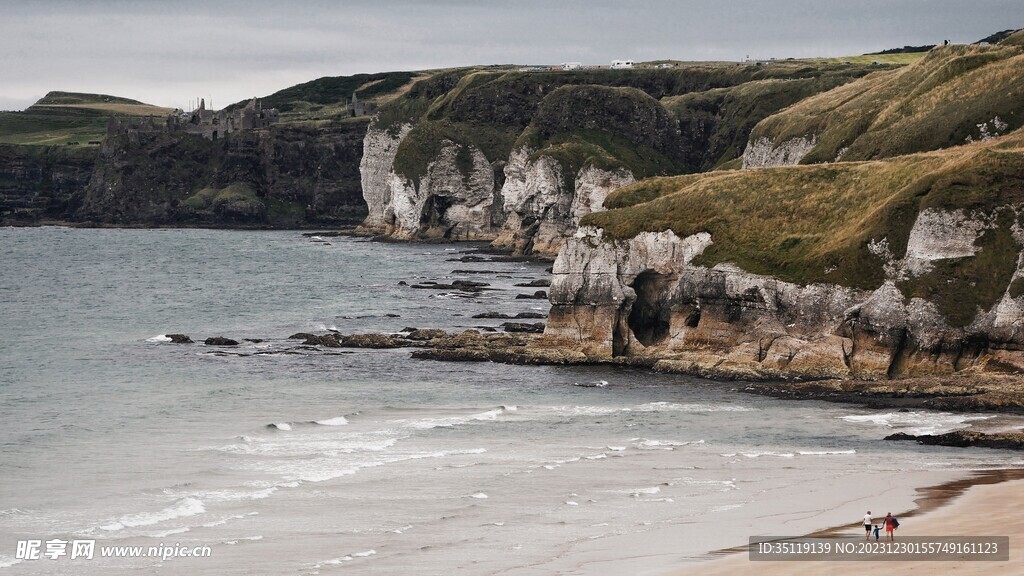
<point>983,505</point>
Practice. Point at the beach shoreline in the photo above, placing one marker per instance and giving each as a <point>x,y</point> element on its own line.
<point>972,506</point>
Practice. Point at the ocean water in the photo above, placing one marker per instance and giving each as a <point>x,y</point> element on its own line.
<point>289,460</point>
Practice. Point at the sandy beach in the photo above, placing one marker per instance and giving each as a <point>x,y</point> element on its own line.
<point>975,507</point>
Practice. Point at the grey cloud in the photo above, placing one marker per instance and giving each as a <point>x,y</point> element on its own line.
<point>165,53</point>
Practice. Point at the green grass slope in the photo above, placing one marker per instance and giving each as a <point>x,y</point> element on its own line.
<point>326,98</point>
<point>951,96</point>
<point>60,118</point>
<point>809,224</point>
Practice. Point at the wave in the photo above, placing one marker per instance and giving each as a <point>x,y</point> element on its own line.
<point>284,426</point>
<point>7,561</point>
<point>183,508</point>
<point>918,422</point>
<point>594,384</point>
<point>321,469</point>
<point>650,407</point>
<point>452,421</point>
<point>167,533</point>
<point>825,452</point>
<point>674,407</point>
<point>224,521</point>
<point>337,421</point>
<point>159,338</point>
<point>645,444</point>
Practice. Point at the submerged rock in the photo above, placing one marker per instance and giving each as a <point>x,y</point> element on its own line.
<point>538,295</point>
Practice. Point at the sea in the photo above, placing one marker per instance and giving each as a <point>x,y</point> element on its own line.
<point>272,457</point>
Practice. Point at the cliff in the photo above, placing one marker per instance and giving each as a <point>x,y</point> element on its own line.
<point>519,157</point>
<point>40,182</point>
<point>902,267</point>
<point>285,176</point>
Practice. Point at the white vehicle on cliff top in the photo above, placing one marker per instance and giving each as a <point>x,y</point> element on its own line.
<point>620,64</point>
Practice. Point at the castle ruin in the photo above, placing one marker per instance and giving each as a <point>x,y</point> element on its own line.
<point>210,124</point>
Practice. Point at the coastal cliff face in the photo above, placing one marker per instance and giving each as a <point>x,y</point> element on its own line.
<point>540,212</point>
<point>289,175</point>
<point>644,297</point>
<point>451,200</point>
<point>518,158</point>
<point>40,182</point>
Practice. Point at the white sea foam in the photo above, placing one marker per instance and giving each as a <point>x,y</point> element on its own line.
<point>7,561</point>
<point>645,444</point>
<point>479,496</point>
<point>364,554</point>
<point>337,421</point>
<point>594,384</point>
<point>768,453</point>
<point>616,448</point>
<point>167,533</point>
<point>237,540</point>
<point>159,338</point>
<point>637,492</point>
<point>918,422</point>
<point>182,508</point>
<point>673,407</point>
<point>224,521</point>
<point>452,421</point>
<point>825,452</point>
<point>236,495</point>
<point>282,426</point>
<point>572,503</point>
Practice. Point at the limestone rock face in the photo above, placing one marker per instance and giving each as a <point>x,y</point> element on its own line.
<point>379,150</point>
<point>540,211</point>
<point>765,153</point>
<point>644,297</point>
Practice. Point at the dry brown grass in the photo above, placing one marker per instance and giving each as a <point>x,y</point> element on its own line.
<point>935,103</point>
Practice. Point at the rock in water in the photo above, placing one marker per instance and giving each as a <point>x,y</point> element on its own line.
<point>536,328</point>
<point>179,339</point>
<point>220,341</point>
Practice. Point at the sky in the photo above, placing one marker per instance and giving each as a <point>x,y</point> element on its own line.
<point>168,53</point>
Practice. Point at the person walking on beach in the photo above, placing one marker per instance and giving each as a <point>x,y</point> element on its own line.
<point>890,525</point>
<point>867,525</point>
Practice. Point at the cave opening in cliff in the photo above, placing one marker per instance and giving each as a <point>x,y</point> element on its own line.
<point>434,211</point>
<point>650,316</point>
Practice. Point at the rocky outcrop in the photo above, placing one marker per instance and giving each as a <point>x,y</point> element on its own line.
<point>644,297</point>
<point>966,439</point>
<point>449,201</point>
<point>379,149</point>
<point>540,211</point>
<point>765,153</point>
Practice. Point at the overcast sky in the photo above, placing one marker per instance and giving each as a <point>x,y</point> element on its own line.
<point>168,52</point>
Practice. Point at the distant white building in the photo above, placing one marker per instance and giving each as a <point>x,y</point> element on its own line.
<point>572,65</point>
<point>619,64</point>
